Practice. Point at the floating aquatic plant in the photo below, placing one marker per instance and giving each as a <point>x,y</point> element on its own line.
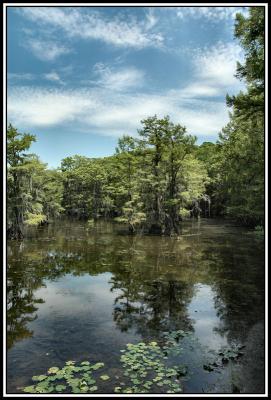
<point>224,355</point>
<point>145,369</point>
<point>231,353</point>
<point>71,378</point>
<point>172,340</point>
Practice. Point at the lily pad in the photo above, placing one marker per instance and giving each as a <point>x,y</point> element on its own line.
<point>60,388</point>
<point>39,378</point>
<point>53,370</point>
<point>93,388</point>
<point>105,377</point>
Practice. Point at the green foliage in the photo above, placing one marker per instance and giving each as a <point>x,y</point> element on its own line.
<point>132,213</point>
<point>243,138</point>
<point>259,231</point>
<point>173,343</point>
<point>235,164</point>
<point>164,151</point>
<point>184,212</point>
<point>17,163</point>
<point>224,355</point>
<point>17,143</point>
<point>34,194</point>
<point>146,370</point>
<point>250,32</point>
<point>196,178</point>
<point>105,377</point>
<point>231,353</point>
<point>34,219</point>
<point>143,185</point>
<point>71,378</point>
<point>143,369</point>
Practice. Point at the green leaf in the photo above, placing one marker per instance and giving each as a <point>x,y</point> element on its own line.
<point>84,368</point>
<point>29,389</point>
<point>97,365</point>
<point>70,362</point>
<point>105,377</point>
<point>85,363</point>
<point>53,370</point>
<point>76,390</point>
<point>93,388</point>
<point>60,388</point>
<point>39,377</point>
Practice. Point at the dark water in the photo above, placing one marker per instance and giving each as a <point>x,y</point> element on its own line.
<point>74,294</point>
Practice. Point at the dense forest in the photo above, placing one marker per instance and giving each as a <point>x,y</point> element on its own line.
<point>162,176</point>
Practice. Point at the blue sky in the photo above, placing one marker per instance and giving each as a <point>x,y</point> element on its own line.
<point>80,77</point>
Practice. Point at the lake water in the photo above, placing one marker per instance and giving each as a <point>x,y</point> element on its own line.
<point>78,294</point>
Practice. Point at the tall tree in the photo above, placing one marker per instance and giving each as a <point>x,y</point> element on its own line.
<point>242,140</point>
<point>17,144</point>
<point>166,150</point>
<point>153,141</point>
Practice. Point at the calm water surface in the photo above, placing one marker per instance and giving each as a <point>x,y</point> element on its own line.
<point>74,294</point>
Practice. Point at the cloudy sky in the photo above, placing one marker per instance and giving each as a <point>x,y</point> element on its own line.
<point>80,77</point>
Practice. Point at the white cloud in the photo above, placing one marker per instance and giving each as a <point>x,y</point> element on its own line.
<point>91,24</point>
<point>108,113</point>
<point>46,107</point>
<point>199,89</point>
<point>50,76</point>
<point>213,71</point>
<point>110,108</point>
<point>124,115</point>
<point>214,14</point>
<point>119,80</point>
<point>125,112</point>
<point>46,50</point>
<point>152,19</point>
<point>53,77</point>
<point>20,76</point>
<point>217,65</point>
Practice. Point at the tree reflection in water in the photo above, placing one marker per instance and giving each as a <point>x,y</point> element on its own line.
<point>153,278</point>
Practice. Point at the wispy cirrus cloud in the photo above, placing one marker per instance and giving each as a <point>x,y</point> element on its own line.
<point>19,76</point>
<point>35,106</point>
<point>100,111</point>
<point>214,14</point>
<point>214,71</point>
<point>151,18</point>
<point>46,50</point>
<point>54,77</point>
<point>118,79</point>
<point>109,106</point>
<point>92,25</point>
<point>217,64</point>
<point>198,90</point>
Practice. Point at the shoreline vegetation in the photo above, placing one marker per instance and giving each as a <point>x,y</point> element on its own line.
<point>156,180</point>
